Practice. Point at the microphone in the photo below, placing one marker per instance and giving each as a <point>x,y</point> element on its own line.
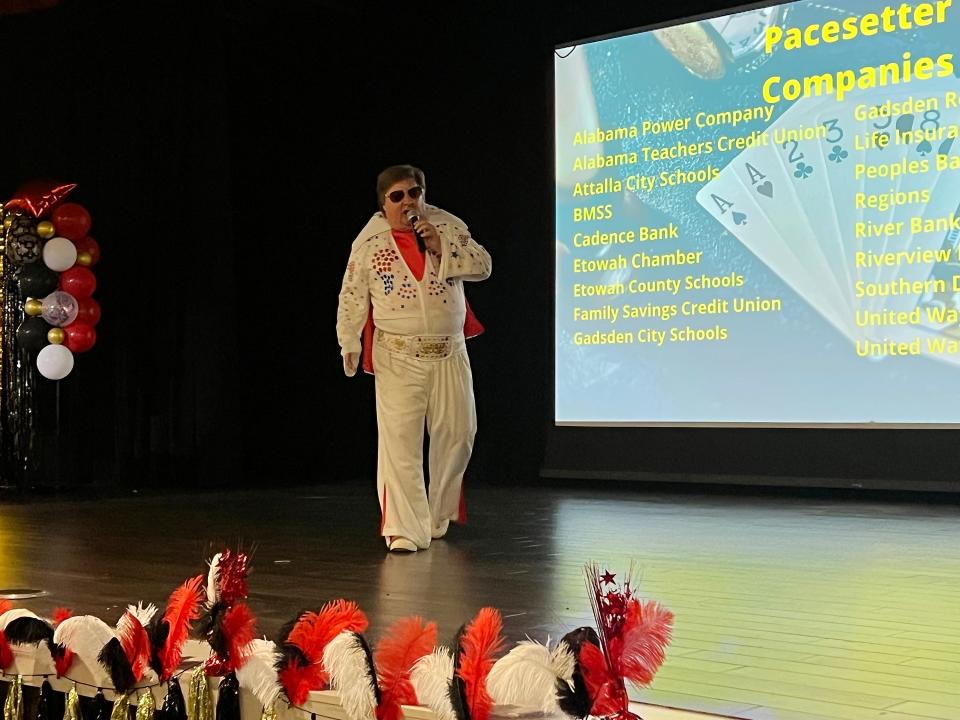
<point>413,218</point>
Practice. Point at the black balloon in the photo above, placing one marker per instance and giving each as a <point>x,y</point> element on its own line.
<point>23,249</point>
<point>37,280</point>
<point>32,334</point>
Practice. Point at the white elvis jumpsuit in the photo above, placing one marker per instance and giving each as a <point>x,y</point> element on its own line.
<point>421,368</point>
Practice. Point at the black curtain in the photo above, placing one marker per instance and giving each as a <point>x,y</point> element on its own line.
<point>227,153</point>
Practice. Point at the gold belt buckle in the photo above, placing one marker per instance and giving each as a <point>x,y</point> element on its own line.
<point>432,347</point>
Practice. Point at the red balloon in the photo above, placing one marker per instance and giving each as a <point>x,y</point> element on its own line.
<point>78,281</point>
<point>88,244</point>
<point>88,311</point>
<point>80,337</point>
<point>71,220</point>
<point>38,197</point>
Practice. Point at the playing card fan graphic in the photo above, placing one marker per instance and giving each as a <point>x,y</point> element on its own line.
<point>854,206</point>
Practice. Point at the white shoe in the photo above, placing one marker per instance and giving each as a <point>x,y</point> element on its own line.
<point>440,530</point>
<point>402,544</point>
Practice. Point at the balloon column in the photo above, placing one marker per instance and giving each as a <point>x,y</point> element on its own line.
<point>48,244</point>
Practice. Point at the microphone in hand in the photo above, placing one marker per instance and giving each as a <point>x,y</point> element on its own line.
<point>413,219</point>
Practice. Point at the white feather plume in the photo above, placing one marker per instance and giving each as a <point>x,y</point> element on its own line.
<point>84,635</point>
<point>259,674</point>
<point>527,676</point>
<point>345,659</point>
<point>10,615</point>
<point>213,577</point>
<point>564,662</point>
<point>431,676</point>
<point>143,613</point>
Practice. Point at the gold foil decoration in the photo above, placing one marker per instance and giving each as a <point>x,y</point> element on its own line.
<point>13,707</point>
<point>146,706</point>
<point>71,710</point>
<point>200,704</point>
<point>269,713</point>
<point>121,707</point>
<point>8,705</point>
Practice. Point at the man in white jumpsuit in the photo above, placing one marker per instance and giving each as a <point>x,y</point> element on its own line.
<point>413,275</point>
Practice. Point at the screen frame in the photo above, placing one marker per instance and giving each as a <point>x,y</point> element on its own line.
<point>760,425</point>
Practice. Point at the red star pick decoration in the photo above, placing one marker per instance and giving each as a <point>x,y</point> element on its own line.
<point>608,577</point>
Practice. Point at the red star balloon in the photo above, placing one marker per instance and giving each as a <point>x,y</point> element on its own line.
<point>38,197</point>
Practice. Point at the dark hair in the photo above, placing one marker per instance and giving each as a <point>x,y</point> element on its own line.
<point>394,174</point>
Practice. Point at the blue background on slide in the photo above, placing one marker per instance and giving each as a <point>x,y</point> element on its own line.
<point>790,367</point>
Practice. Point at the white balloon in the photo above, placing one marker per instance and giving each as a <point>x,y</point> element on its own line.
<point>59,254</point>
<point>55,362</point>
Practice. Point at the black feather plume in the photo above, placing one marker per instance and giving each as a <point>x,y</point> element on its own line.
<point>371,668</point>
<point>458,688</point>
<point>287,654</point>
<point>209,620</point>
<point>27,631</point>
<point>576,702</point>
<point>157,631</point>
<point>284,632</point>
<point>210,626</point>
<point>115,661</point>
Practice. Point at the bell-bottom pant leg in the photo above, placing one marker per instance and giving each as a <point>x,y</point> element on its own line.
<point>402,390</point>
<point>452,424</point>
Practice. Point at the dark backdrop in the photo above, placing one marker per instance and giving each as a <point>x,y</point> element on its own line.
<point>227,152</point>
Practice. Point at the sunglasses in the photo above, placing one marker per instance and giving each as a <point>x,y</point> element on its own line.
<point>397,195</point>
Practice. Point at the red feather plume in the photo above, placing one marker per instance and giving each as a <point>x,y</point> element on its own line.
<point>135,643</point>
<point>183,607</point>
<point>62,662</point>
<point>633,635</point>
<point>6,654</point>
<point>314,630</point>
<point>480,642</point>
<point>311,634</point>
<point>645,636</point>
<point>62,656</point>
<point>405,642</point>
<point>604,687</point>
<point>298,680</point>
<point>239,628</point>
<point>5,605</point>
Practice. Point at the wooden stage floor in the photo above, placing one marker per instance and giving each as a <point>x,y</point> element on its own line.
<point>787,607</point>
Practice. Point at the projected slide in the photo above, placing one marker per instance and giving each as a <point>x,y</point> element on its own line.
<point>757,219</point>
